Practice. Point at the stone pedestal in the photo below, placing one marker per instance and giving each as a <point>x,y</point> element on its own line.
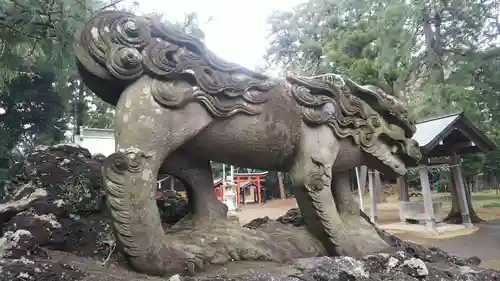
<point>415,210</point>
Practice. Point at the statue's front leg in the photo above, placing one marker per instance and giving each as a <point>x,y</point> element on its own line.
<point>196,175</point>
<point>357,228</point>
<point>311,177</point>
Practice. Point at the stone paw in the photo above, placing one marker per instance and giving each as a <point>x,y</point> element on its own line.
<point>170,258</point>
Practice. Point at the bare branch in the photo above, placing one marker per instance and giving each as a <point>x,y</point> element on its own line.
<point>113,3</point>
<point>32,49</point>
<point>85,7</point>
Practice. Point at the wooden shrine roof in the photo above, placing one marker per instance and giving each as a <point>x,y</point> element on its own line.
<point>436,134</point>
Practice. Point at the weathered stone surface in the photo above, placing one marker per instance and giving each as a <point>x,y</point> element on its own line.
<point>406,248</point>
<point>219,242</point>
<point>11,208</point>
<point>99,157</point>
<point>258,223</point>
<point>36,224</point>
<point>43,228</point>
<point>56,197</point>
<point>81,236</point>
<point>373,268</point>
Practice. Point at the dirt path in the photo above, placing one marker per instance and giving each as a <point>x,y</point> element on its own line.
<point>484,243</point>
<point>273,209</point>
<point>386,212</point>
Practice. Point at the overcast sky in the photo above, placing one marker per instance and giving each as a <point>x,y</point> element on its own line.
<point>238,29</point>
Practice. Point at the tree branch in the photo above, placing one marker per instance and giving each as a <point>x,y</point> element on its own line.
<point>113,3</point>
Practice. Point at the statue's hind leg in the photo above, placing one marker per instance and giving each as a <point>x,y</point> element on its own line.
<point>196,175</point>
<point>146,133</point>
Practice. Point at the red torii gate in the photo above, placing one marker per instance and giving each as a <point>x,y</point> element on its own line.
<point>239,178</point>
<point>250,178</point>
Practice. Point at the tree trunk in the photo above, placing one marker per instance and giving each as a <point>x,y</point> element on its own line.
<point>281,185</point>
<point>403,189</point>
<point>493,183</point>
<point>379,188</point>
<point>496,184</point>
<point>431,24</point>
<point>455,214</point>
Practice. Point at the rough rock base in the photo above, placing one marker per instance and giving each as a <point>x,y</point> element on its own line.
<point>401,266</point>
<point>208,242</point>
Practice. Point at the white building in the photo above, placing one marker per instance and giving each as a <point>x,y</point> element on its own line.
<point>97,140</point>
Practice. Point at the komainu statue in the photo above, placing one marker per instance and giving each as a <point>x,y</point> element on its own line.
<point>179,106</point>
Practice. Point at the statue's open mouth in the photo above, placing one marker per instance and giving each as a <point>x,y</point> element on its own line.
<point>384,154</point>
<point>393,161</point>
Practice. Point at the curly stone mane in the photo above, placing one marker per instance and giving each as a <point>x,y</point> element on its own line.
<point>341,104</point>
<point>121,47</point>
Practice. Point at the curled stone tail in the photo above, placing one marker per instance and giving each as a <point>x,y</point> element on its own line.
<point>114,172</point>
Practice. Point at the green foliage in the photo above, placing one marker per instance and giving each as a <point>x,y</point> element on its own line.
<point>36,61</point>
<point>344,37</point>
<point>33,112</point>
<point>492,205</point>
<point>190,25</point>
<point>99,114</point>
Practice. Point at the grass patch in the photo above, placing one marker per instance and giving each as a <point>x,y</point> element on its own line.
<point>492,205</point>
<point>484,197</point>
